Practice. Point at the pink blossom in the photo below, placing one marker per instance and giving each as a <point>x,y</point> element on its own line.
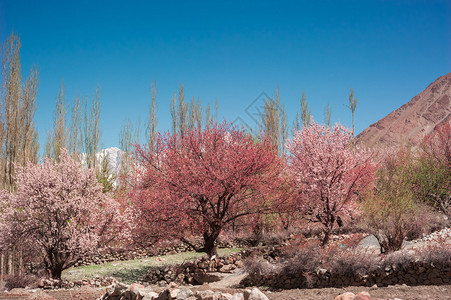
<point>329,171</point>
<point>59,210</point>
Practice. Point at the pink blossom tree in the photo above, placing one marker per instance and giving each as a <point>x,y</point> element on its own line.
<point>59,210</point>
<point>329,171</point>
<point>432,181</point>
<point>202,181</point>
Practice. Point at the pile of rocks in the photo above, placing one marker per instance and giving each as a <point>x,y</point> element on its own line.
<point>194,272</point>
<point>135,291</point>
<point>51,284</point>
<point>435,236</point>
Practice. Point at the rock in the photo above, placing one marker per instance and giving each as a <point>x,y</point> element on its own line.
<point>206,277</point>
<point>239,264</point>
<point>362,296</point>
<point>321,271</point>
<point>150,296</point>
<point>207,294</point>
<point>255,294</point>
<point>370,243</point>
<point>135,287</point>
<point>145,291</point>
<point>345,296</point>
<point>238,296</point>
<point>226,269</point>
<point>184,294</point>
<point>165,295</point>
<point>174,293</point>
<point>225,296</point>
<point>247,293</point>
<point>117,289</point>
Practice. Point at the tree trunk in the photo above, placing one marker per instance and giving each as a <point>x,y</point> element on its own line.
<point>56,272</point>
<point>326,238</point>
<point>2,265</point>
<point>209,246</point>
<point>11,262</point>
<point>20,262</point>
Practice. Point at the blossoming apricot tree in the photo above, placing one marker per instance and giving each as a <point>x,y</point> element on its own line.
<point>202,181</point>
<point>329,170</point>
<point>59,210</point>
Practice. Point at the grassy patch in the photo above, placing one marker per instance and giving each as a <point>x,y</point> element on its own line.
<point>130,271</point>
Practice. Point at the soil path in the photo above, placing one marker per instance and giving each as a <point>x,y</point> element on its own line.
<point>399,292</point>
<point>229,280</point>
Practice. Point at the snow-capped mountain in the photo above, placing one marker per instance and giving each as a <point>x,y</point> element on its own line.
<point>114,156</point>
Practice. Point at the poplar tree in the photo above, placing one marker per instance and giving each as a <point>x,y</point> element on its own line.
<point>179,112</point>
<point>126,143</point>
<point>75,132</point>
<point>189,115</point>
<point>327,115</point>
<point>18,134</point>
<point>91,129</point>
<point>274,122</point>
<point>305,115</point>
<point>352,106</point>
<point>151,130</point>
<point>58,138</point>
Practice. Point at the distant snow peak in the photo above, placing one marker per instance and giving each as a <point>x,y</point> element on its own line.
<point>114,156</point>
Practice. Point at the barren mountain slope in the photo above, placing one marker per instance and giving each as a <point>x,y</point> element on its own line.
<point>411,122</point>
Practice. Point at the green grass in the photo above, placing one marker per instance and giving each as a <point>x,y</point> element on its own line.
<point>130,271</point>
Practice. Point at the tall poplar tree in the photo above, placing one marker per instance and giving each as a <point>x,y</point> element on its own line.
<point>58,138</point>
<point>305,115</point>
<point>274,122</point>
<point>352,106</point>
<point>19,137</point>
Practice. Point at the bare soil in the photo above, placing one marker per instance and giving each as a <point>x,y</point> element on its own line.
<point>386,293</point>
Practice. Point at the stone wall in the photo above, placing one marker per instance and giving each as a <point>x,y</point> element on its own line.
<point>119,254</point>
<point>412,273</point>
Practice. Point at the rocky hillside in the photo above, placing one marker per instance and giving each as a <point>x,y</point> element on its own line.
<point>411,122</point>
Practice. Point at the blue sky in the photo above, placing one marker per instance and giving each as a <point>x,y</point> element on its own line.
<point>388,51</point>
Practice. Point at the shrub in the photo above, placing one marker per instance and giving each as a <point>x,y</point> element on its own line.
<point>437,252</point>
<point>350,261</point>
<point>306,257</point>
<point>388,207</point>
<point>427,220</point>
<point>256,264</point>
<point>21,281</point>
<point>432,176</point>
<point>272,238</point>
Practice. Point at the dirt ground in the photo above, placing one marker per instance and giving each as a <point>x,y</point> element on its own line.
<point>391,292</point>
<point>386,293</point>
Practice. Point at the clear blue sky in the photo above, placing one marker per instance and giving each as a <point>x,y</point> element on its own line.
<point>388,51</point>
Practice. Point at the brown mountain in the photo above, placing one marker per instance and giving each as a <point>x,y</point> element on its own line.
<point>411,122</point>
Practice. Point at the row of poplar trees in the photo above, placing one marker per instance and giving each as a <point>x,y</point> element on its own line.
<point>19,136</point>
